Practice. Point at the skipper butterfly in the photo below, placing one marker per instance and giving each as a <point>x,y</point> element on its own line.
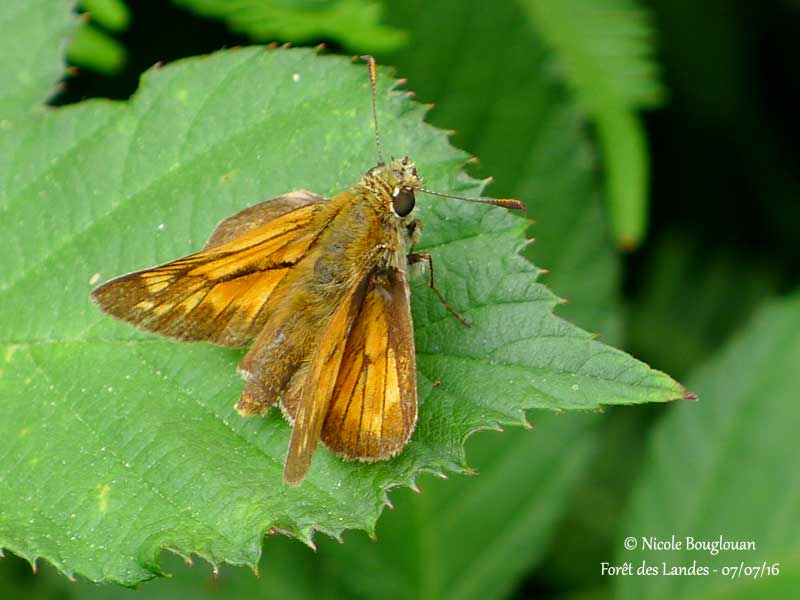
<point>320,289</point>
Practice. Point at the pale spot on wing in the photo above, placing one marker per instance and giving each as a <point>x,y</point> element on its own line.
<point>245,294</point>
<point>192,301</point>
<point>373,410</point>
<point>145,305</point>
<point>156,286</point>
<point>375,358</point>
<point>372,422</point>
<point>392,411</point>
<point>162,309</point>
<point>223,294</point>
<point>219,293</point>
<point>251,300</point>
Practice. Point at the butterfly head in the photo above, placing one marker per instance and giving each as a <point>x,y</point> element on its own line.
<point>399,180</point>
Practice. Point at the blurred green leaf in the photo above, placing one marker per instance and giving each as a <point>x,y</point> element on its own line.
<point>19,580</point>
<point>32,45</point>
<point>678,330</point>
<point>723,467</point>
<point>353,23</point>
<point>112,15</point>
<point>588,531</point>
<point>95,50</point>
<point>288,572</point>
<point>471,537</point>
<point>606,51</point>
<point>606,48</point>
<point>516,116</point>
<point>627,172</point>
<point>122,444</point>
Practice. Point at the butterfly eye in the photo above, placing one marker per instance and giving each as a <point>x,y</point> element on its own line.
<point>403,202</point>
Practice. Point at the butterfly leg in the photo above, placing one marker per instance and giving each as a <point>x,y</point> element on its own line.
<point>418,257</point>
<point>413,231</point>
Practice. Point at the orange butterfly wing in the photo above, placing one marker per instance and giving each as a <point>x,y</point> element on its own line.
<point>373,410</point>
<point>315,394</point>
<point>218,294</point>
<point>360,394</point>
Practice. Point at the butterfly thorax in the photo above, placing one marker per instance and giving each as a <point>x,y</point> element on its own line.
<point>361,229</point>
<point>387,190</point>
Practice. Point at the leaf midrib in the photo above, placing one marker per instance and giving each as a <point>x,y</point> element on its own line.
<point>543,370</point>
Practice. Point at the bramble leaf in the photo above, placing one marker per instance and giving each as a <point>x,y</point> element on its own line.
<point>119,443</point>
<point>34,37</point>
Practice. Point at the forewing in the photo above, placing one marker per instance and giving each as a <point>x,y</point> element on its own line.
<point>373,408</point>
<point>217,294</point>
<point>315,396</point>
<point>255,216</point>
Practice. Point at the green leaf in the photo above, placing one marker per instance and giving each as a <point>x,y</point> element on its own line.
<point>92,47</point>
<point>32,46</point>
<point>606,51</point>
<point>124,443</point>
<point>606,48</point>
<point>547,162</point>
<point>95,50</point>
<point>112,15</point>
<point>680,262</point>
<point>427,546</point>
<point>471,537</point>
<point>718,467</point>
<point>587,532</point>
<point>562,193</point>
<point>353,23</point>
<point>289,571</point>
<point>529,135</point>
<point>623,142</point>
<point>551,171</point>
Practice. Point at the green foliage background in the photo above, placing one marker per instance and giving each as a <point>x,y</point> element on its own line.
<point>548,98</point>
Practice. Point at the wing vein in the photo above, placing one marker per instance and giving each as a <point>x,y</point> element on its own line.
<point>365,366</point>
<point>385,385</point>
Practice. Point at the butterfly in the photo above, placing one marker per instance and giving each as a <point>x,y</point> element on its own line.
<point>319,288</point>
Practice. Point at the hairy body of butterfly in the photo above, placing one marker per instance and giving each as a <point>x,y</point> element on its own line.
<point>319,288</point>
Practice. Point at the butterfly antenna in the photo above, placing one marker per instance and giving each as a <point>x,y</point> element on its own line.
<point>504,202</point>
<point>373,77</point>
